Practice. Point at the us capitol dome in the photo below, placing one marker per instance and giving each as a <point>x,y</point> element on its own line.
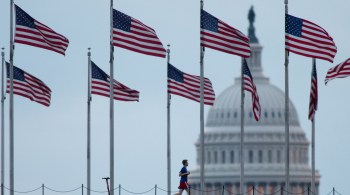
<point>264,141</point>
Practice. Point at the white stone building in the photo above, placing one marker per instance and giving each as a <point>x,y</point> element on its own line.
<point>264,140</point>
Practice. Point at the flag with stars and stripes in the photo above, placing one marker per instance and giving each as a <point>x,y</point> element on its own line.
<point>100,86</point>
<point>216,34</point>
<point>31,32</point>
<point>188,86</point>
<point>249,85</point>
<point>341,70</point>
<point>28,86</point>
<point>313,93</point>
<point>131,34</point>
<point>308,39</point>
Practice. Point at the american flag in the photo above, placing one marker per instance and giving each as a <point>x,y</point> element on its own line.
<point>100,86</point>
<point>188,86</point>
<point>308,39</point>
<point>31,32</point>
<point>249,85</point>
<point>313,93</point>
<point>131,34</point>
<point>28,86</point>
<point>339,71</point>
<point>216,34</point>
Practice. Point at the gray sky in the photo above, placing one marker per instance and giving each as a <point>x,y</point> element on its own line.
<point>50,143</point>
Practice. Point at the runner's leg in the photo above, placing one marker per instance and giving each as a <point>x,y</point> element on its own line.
<point>180,191</point>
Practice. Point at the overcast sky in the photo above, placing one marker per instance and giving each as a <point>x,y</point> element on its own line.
<point>50,143</point>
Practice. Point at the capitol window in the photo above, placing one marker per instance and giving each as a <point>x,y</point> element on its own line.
<point>273,115</point>
<point>301,156</point>
<point>306,156</point>
<point>265,114</point>
<point>209,157</point>
<point>215,157</point>
<point>235,115</point>
<point>232,156</point>
<point>223,157</point>
<point>270,156</point>
<point>250,156</point>
<point>260,156</point>
<point>278,156</point>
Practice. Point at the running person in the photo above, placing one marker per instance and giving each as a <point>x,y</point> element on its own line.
<point>183,180</point>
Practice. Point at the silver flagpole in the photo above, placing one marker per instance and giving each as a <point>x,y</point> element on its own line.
<point>286,62</point>
<point>202,113</point>
<point>313,139</point>
<point>242,132</point>
<point>168,129</point>
<point>313,155</point>
<point>2,122</point>
<point>89,126</point>
<point>286,111</point>
<point>12,175</point>
<point>111,100</point>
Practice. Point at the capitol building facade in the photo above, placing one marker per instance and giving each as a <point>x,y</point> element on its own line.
<point>264,141</point>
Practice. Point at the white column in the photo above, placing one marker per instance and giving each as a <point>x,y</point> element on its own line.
<point>245,188</point>
<point>302,187</point>
<point>216,187</point>
<point>232,188</point>
<point>266,191</point>
<point>209,188</point>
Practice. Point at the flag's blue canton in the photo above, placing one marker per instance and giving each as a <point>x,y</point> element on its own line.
<point>97,73</point>
<point>246,70</point>
<point>23,19</point>
<point>294,25</point>
<point>175,74</point>
<point>209,22</point>
<point>18,74</point>
<point>121,21</point>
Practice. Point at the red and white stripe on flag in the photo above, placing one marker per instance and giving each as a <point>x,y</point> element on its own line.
<point>31,32</point>
<point>341,70</point>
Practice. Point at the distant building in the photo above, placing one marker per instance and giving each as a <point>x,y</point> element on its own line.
<point>264,140</point>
